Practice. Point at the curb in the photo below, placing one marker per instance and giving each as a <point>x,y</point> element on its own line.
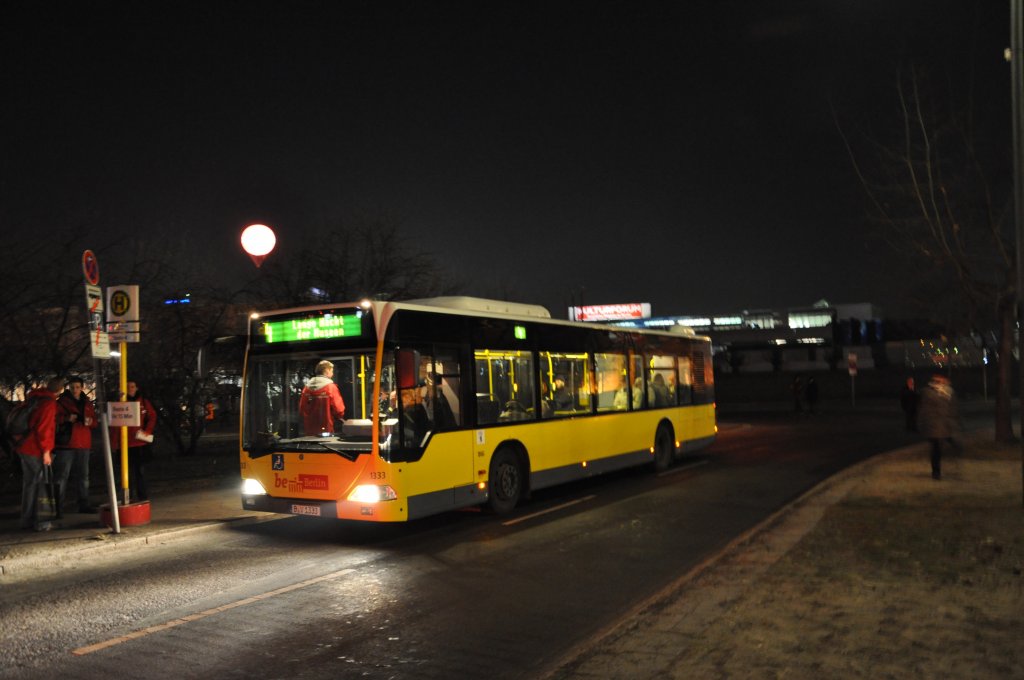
<point>105,542</point>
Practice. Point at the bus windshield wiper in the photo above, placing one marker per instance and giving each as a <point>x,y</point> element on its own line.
<point>344,453</point>
<point>317,441</point>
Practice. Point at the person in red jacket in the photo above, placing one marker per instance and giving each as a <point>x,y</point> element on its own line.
<point>76,413</point>
<point>140,440</point>
<point>321,403</point>
<point>35,450</point>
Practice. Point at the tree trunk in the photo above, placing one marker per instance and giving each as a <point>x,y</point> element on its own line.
<point>1004,425</point>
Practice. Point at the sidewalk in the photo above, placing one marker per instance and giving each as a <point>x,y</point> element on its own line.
<point>175,512</point>
<point>880,571</point>
<point>194,493</point>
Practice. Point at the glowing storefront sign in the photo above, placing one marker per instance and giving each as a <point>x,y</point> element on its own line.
<point>629,310</point>
<point>313,328</point>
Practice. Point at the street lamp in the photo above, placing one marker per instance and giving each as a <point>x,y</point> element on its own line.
<point>258,240</point>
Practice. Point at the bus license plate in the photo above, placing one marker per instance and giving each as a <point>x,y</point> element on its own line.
<point>313,510</point>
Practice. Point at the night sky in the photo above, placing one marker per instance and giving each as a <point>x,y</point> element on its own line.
<point>682,154</point>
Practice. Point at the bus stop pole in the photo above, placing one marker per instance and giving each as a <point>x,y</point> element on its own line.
<point>123,386</point>
<point>108,463</point>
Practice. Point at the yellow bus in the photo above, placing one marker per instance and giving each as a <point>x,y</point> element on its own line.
<point>454,402</point>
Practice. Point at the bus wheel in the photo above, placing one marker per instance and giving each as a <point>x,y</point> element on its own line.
<point>506,482</point>
<point>664,449</point>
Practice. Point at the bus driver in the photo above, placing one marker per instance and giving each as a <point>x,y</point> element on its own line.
<point>321,403</point>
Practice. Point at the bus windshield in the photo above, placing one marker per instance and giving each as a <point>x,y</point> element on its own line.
<point>291,405</point>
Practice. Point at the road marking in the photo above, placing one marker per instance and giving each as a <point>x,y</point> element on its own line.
<point>517,520</point>
<point>82,651</point>
<point>688,466</point>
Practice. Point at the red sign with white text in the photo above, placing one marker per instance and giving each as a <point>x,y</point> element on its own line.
<point>629,310</point>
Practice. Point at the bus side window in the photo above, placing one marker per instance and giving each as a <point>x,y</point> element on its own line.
<point>636,380</point>
<point>661,380</point>
<point>610,382</point>
<point>564,383</point>
<point>487,409</point>
<point>685,381</point>
<point>445,385</point>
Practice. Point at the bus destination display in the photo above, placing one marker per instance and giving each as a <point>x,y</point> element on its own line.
<point>313,328</point>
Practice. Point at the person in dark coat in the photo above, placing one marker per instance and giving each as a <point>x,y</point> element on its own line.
<point>74,410</point>
<point>938,418</point>
<point>562,399</point>
<point>909,401</point>
<point>140,442</point>
<point>811,394</point>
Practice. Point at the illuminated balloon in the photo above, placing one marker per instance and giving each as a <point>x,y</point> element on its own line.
<point>258,240</point>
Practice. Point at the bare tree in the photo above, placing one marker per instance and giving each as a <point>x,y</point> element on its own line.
<point>938,191</point>
<point>42,309</point>
<point>371,259</point>
<point>183,311</point>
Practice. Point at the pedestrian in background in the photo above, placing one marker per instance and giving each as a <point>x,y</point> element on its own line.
<point>811,394</point>
<point>909,400</point>
<point>35,450</point>
<point>140,442</point>
<point>71,461</point>
<point>938,418</point>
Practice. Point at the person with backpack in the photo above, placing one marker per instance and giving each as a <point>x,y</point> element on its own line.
<point>76,419</point>
<point>35,450</point>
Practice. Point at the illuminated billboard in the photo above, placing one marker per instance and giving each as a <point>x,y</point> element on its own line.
<point>619,312</point>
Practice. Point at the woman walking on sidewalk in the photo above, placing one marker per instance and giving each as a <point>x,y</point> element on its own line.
<point>938,418</point>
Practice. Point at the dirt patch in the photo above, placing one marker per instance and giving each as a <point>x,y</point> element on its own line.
<point>902,577</point>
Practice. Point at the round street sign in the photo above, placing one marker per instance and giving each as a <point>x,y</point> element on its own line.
<point>91,268</point>
<point>120,303</point>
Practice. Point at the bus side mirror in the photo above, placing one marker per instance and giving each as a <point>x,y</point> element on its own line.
<point>408,368</point>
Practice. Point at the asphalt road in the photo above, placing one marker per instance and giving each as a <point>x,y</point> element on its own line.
<point>460,595</point>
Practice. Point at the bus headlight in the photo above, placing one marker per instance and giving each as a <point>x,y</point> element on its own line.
<point>251,487</point>
<point>372,493</point>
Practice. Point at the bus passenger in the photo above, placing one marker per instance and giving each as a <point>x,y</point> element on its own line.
<point>547,407</point>
<point>321,403</point>
<point>415,420</point>
<point>621,400</point>
<point>638,393</point>
<point>562,399</point>
<point>660,391</point>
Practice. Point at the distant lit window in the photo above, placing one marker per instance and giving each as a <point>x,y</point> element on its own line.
<point>727,320</point>
<point>809,320</point>
<point>760,321</point>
